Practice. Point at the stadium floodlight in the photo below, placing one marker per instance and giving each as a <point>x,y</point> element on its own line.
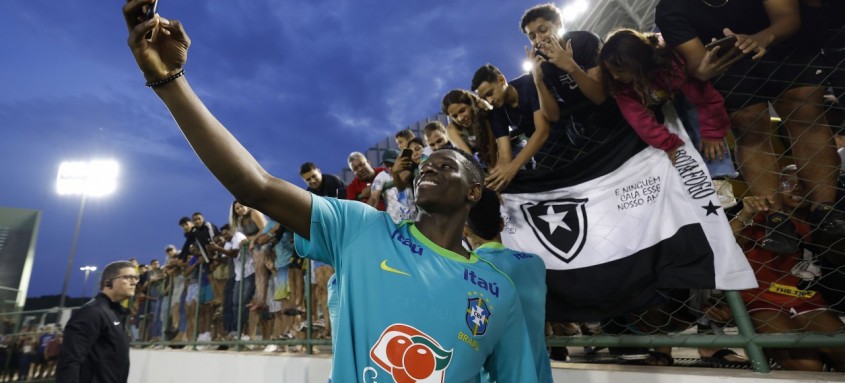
<point>91,178</point>
<point>94,178</point>
<point>527,66</point>
<point>573,10</point>
<point>87,270</point>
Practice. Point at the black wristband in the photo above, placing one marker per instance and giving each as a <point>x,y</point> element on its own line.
<point>158,83</point>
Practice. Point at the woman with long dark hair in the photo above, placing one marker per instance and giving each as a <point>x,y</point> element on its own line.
<point>469,128</point>
<point>642,73</point>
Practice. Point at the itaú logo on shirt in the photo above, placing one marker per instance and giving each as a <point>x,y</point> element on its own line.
<point>409,356</point>
<point>471,277</point>
<point>397,235</point>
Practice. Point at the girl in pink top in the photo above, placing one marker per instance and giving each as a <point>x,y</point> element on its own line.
<point>643,73</point>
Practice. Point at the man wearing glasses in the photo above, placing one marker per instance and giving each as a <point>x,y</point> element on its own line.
<point>96,346</point>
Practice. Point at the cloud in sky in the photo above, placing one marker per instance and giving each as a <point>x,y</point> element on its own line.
<point>295,81</point>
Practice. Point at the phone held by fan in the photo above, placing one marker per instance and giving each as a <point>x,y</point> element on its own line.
<point>724,44</point>
<point>407,153</point>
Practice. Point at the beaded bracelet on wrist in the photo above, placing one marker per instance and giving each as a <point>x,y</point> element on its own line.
<point>158,83</point>
<point>744,222</point>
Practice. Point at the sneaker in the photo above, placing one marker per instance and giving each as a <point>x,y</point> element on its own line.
<point>271,348</point>
<point>828,222</point>
<point>248,346</point>
<point>780,235</point>
<point>302,326</point>
<point>319,323</point>
<point>293,349</point>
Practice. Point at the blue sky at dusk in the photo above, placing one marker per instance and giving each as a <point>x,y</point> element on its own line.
<point>295,81</point>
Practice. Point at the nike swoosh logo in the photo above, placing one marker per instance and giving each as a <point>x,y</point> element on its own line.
<point>385,267</point>
<point>117,323</point>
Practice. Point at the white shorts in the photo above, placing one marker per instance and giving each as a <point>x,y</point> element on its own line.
<point>273,305</point>
<point>193,292</point>
<point>178,289</point>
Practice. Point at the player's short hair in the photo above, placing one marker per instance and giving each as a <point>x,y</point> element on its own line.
<point>476,173</point>
<point>184,220</point>
<point>484,218</point>
<point>487,73</point>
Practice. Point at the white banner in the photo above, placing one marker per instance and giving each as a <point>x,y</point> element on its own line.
<point>635,207</point>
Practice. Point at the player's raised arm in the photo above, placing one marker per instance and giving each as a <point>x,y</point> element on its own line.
<point>162,59</point>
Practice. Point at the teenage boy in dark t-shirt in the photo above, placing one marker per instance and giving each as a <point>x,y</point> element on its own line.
<point>204,233</point>
<point>590,123</point>
<point>522,106</point>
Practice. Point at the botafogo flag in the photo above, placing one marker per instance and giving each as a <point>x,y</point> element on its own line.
<point>622,223</point>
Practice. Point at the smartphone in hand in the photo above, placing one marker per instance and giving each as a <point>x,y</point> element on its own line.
<point>152,9</point>
<point>407,153</point>
<point>540,53</point>
<point>149,14</point>
<point>724,44</point>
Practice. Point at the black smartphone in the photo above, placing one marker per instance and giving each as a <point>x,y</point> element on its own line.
<point>150,13</point>
<point>407,153</point>
<point>724,44</point>
<point>152,9</point>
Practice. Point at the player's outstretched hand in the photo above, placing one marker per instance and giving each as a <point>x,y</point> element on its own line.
<point>160,46</point>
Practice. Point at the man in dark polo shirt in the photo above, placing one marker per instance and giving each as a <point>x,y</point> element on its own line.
<point>323,185</point>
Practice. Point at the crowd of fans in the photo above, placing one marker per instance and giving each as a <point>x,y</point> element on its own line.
<point>30,354</point>
<point>244,280</point>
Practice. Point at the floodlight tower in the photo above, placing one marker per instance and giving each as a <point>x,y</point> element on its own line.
<point>96,178</point>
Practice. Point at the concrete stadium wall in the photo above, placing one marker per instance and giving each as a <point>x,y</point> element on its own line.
<point>164,366</point>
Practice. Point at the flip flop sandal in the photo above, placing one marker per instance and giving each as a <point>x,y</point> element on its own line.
<point>720,357</point>
<point>658,359</point>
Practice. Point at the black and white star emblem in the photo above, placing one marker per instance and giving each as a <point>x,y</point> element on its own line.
<point>711,208</point>
<point>560,225</point>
